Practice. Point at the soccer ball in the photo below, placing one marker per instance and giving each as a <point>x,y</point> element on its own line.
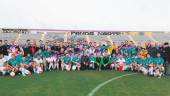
<point>74,67</point>
<point>12,74</point>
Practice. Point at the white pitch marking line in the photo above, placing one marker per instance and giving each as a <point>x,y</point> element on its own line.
<point>106,82</point>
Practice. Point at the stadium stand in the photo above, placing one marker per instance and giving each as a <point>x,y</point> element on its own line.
<point>162,37</point>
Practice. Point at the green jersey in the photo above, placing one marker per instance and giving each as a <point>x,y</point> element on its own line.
<point>28,59</point>
<point>149,60</point>
<point>24,62</point>
<point>107,60</point>
<point>128,59</point>
<point>135,60</point>
<point>47,53</point>
<point>75,59</point>
<point>13,62</point>
<point>18,58</point>
<point>133,51</point>
<point>99,60</point>
<point>67,59</point>
<point>142,61</point>
<point>93,59</point>
<point>114,59</point>
<point>158,61</point>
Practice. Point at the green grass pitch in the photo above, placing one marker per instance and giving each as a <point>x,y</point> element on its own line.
<point>74,83</point>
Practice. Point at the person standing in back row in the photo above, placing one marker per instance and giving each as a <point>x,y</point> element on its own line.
<point>166,57</point>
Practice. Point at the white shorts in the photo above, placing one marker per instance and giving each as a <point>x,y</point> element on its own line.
<point>125,67</point>
<point>67,67</point>
<point>3,70</point>
<point>150,71</point>
<point>116,65</point>
<point>143,69</point>
<point>39,70</point>
<point>24,71</point>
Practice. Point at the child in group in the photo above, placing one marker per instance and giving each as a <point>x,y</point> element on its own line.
<point>24,71</point>
<point>66,62</point>
<point>51,61</point>
<point>143,70</point>
<point>151,70</point>
<point>113,61</point>
<point>2,60</point>
<point>121,63</point>
<point>7,69</point>
<point>39,53</point>
<point>99,61</point>
<point>25,63</point>
<point>158,61</point>
<point>47,58</point>
<point>3,65</point>
<point>76,62</point>
<point>106,61</point>
<point>149,62</point>
<point>85,61</point>
<point>135,63</point>
<point>14,64</point>
<point>37,68</point>
<point>57,62</point>
<point>45,63</point>
<point>29,58</point>
<point>159,69</point>
<point>128,60</point>
<point>38,61</point>
<point>157,72</point>
<point>92,61</point>
<point>142,65</point>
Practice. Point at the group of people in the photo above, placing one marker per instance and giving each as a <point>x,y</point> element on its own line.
<point>37,57</point>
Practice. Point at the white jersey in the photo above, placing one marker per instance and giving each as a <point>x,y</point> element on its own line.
<point>91,51</point>
<point>121,61</point>
<point>51,59</point>
<point>2,61</point>
<point>38,61</point>
<point>9,56</point>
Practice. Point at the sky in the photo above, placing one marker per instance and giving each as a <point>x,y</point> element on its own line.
<point>111,15</point>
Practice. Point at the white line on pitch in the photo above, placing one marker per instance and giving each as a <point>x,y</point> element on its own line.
<point>106,82</point>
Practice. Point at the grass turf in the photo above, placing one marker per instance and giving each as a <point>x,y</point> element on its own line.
<point>61,83</point>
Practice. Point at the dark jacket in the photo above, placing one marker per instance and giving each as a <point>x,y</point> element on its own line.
<point>85,59</point>
<point>166,54</point>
